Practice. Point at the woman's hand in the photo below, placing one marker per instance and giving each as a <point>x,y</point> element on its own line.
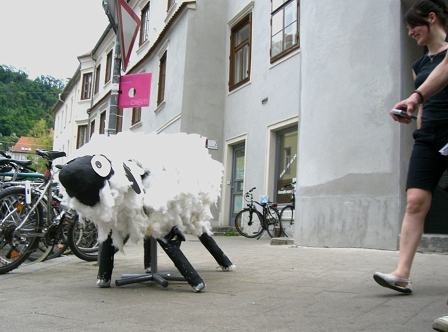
<point>400,118</point>
<point>409,105</point>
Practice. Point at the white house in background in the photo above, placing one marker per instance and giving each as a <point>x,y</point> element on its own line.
<point>24,147</point>
<point>289,89</point>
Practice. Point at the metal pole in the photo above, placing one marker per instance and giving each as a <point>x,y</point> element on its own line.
<point>115,91</point>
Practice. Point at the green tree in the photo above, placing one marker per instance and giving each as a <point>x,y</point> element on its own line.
<point>44,140</point>
<point>24,101</point>
<point>50,81</point>
<point>7,142</point>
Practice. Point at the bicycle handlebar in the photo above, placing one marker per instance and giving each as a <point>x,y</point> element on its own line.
<point>250,198</point>
<point>4,154</point>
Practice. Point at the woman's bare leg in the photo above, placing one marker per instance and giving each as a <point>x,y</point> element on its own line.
<point>418,204</point>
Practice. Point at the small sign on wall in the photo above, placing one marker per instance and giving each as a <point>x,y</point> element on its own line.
<point>211,144</point>
<point>135,90</point>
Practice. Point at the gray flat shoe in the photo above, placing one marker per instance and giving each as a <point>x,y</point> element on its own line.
<point>441,324</point>
<point>389,281</point>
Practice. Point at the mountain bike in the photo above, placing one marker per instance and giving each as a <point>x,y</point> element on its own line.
<point>251,223</point>
<point>287,213</point>
<point>32,219</point>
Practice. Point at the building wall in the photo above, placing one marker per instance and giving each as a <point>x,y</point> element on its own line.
<point>247,118</point>
<point>204,85</point>
<point>70,115</point>
<point>166,116</point>
<point>353,65</point>
<point>351,160</point>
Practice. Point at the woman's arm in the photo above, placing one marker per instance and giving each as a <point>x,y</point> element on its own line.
<point>435,82</point>
<point>407,120</point>
<point>420,109</point>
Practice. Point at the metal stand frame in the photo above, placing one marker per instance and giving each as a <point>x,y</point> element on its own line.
<point>160,278</point>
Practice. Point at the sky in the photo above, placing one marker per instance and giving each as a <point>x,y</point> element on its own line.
<point>45,37</point>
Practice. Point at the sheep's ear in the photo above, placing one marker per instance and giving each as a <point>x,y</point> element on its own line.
<point>134,174</point>
<point>101,165</point>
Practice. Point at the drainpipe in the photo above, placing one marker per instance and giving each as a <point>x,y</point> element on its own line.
<point>91,99</point>
<point>115,89</point>
<point>111,10</point>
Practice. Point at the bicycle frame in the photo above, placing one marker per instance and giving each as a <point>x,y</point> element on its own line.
<point>287,212</point>
<point>266,210</point>
<point>48,206</point>
<point>293,193</point>
<point>44,191</point>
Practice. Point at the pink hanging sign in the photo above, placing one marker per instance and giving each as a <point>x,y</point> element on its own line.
<point>135,90</point>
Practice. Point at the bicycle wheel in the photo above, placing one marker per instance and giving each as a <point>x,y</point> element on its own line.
<point>82,238</point>
<point>42,252</point>
<point>60,240</point>
<point>45,249</point>
<point>274,227</point>
<point>287,220</point>
<point>248,223</point>
<point>16,246</point>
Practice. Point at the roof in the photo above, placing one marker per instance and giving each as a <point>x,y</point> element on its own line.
<point>25,145</point>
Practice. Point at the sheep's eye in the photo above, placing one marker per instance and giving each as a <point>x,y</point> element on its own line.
<point>101,165</point>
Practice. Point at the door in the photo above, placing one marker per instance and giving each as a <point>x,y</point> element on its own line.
<point>286,163</point>
<point>237,184</point>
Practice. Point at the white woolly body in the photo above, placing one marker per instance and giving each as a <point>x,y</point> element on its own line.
<point>183,182</point>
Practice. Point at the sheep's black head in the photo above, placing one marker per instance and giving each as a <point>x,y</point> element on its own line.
<point>84,177</point>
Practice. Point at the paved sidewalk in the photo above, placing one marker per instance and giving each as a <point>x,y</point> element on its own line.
<point>274,288</point>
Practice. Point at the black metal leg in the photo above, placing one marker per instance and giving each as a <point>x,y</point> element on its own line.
<point>150,247</point>
<point>106,262</point>
<point>220,257</point>
<point>147,253</point>
<point>172,249</point>
<point>171,245</point>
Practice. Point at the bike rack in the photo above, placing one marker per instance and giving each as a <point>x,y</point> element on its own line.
<point>160,278</point>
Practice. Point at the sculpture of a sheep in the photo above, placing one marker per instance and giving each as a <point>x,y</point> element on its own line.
<point>147,185</point>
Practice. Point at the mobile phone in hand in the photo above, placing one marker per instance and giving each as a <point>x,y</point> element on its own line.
<point>403,114</point>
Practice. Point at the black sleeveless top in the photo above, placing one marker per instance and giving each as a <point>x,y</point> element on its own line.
<point>435,109</point>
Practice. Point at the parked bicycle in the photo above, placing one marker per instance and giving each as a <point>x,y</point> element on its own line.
<point>287,214</point>
<point>251,223</point>
<point>11,169</point>
<point>33,220</point>
<point>82,237</point>
<point>14,173</point>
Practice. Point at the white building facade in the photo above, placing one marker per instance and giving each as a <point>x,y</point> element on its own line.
<point>289,89</point>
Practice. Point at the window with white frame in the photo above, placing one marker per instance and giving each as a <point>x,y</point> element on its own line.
<point>162,79</point>
<point>102,122</point>
<point>286,161</point>
<point>97,79</point>
<point>82,136</point>
<point>86,86</point>
<point>136,115</point>
<point>109,61</point>
<point>144,24</point>
<point>240,52</point>
<point>285,15</point>
<point>92,128</point>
